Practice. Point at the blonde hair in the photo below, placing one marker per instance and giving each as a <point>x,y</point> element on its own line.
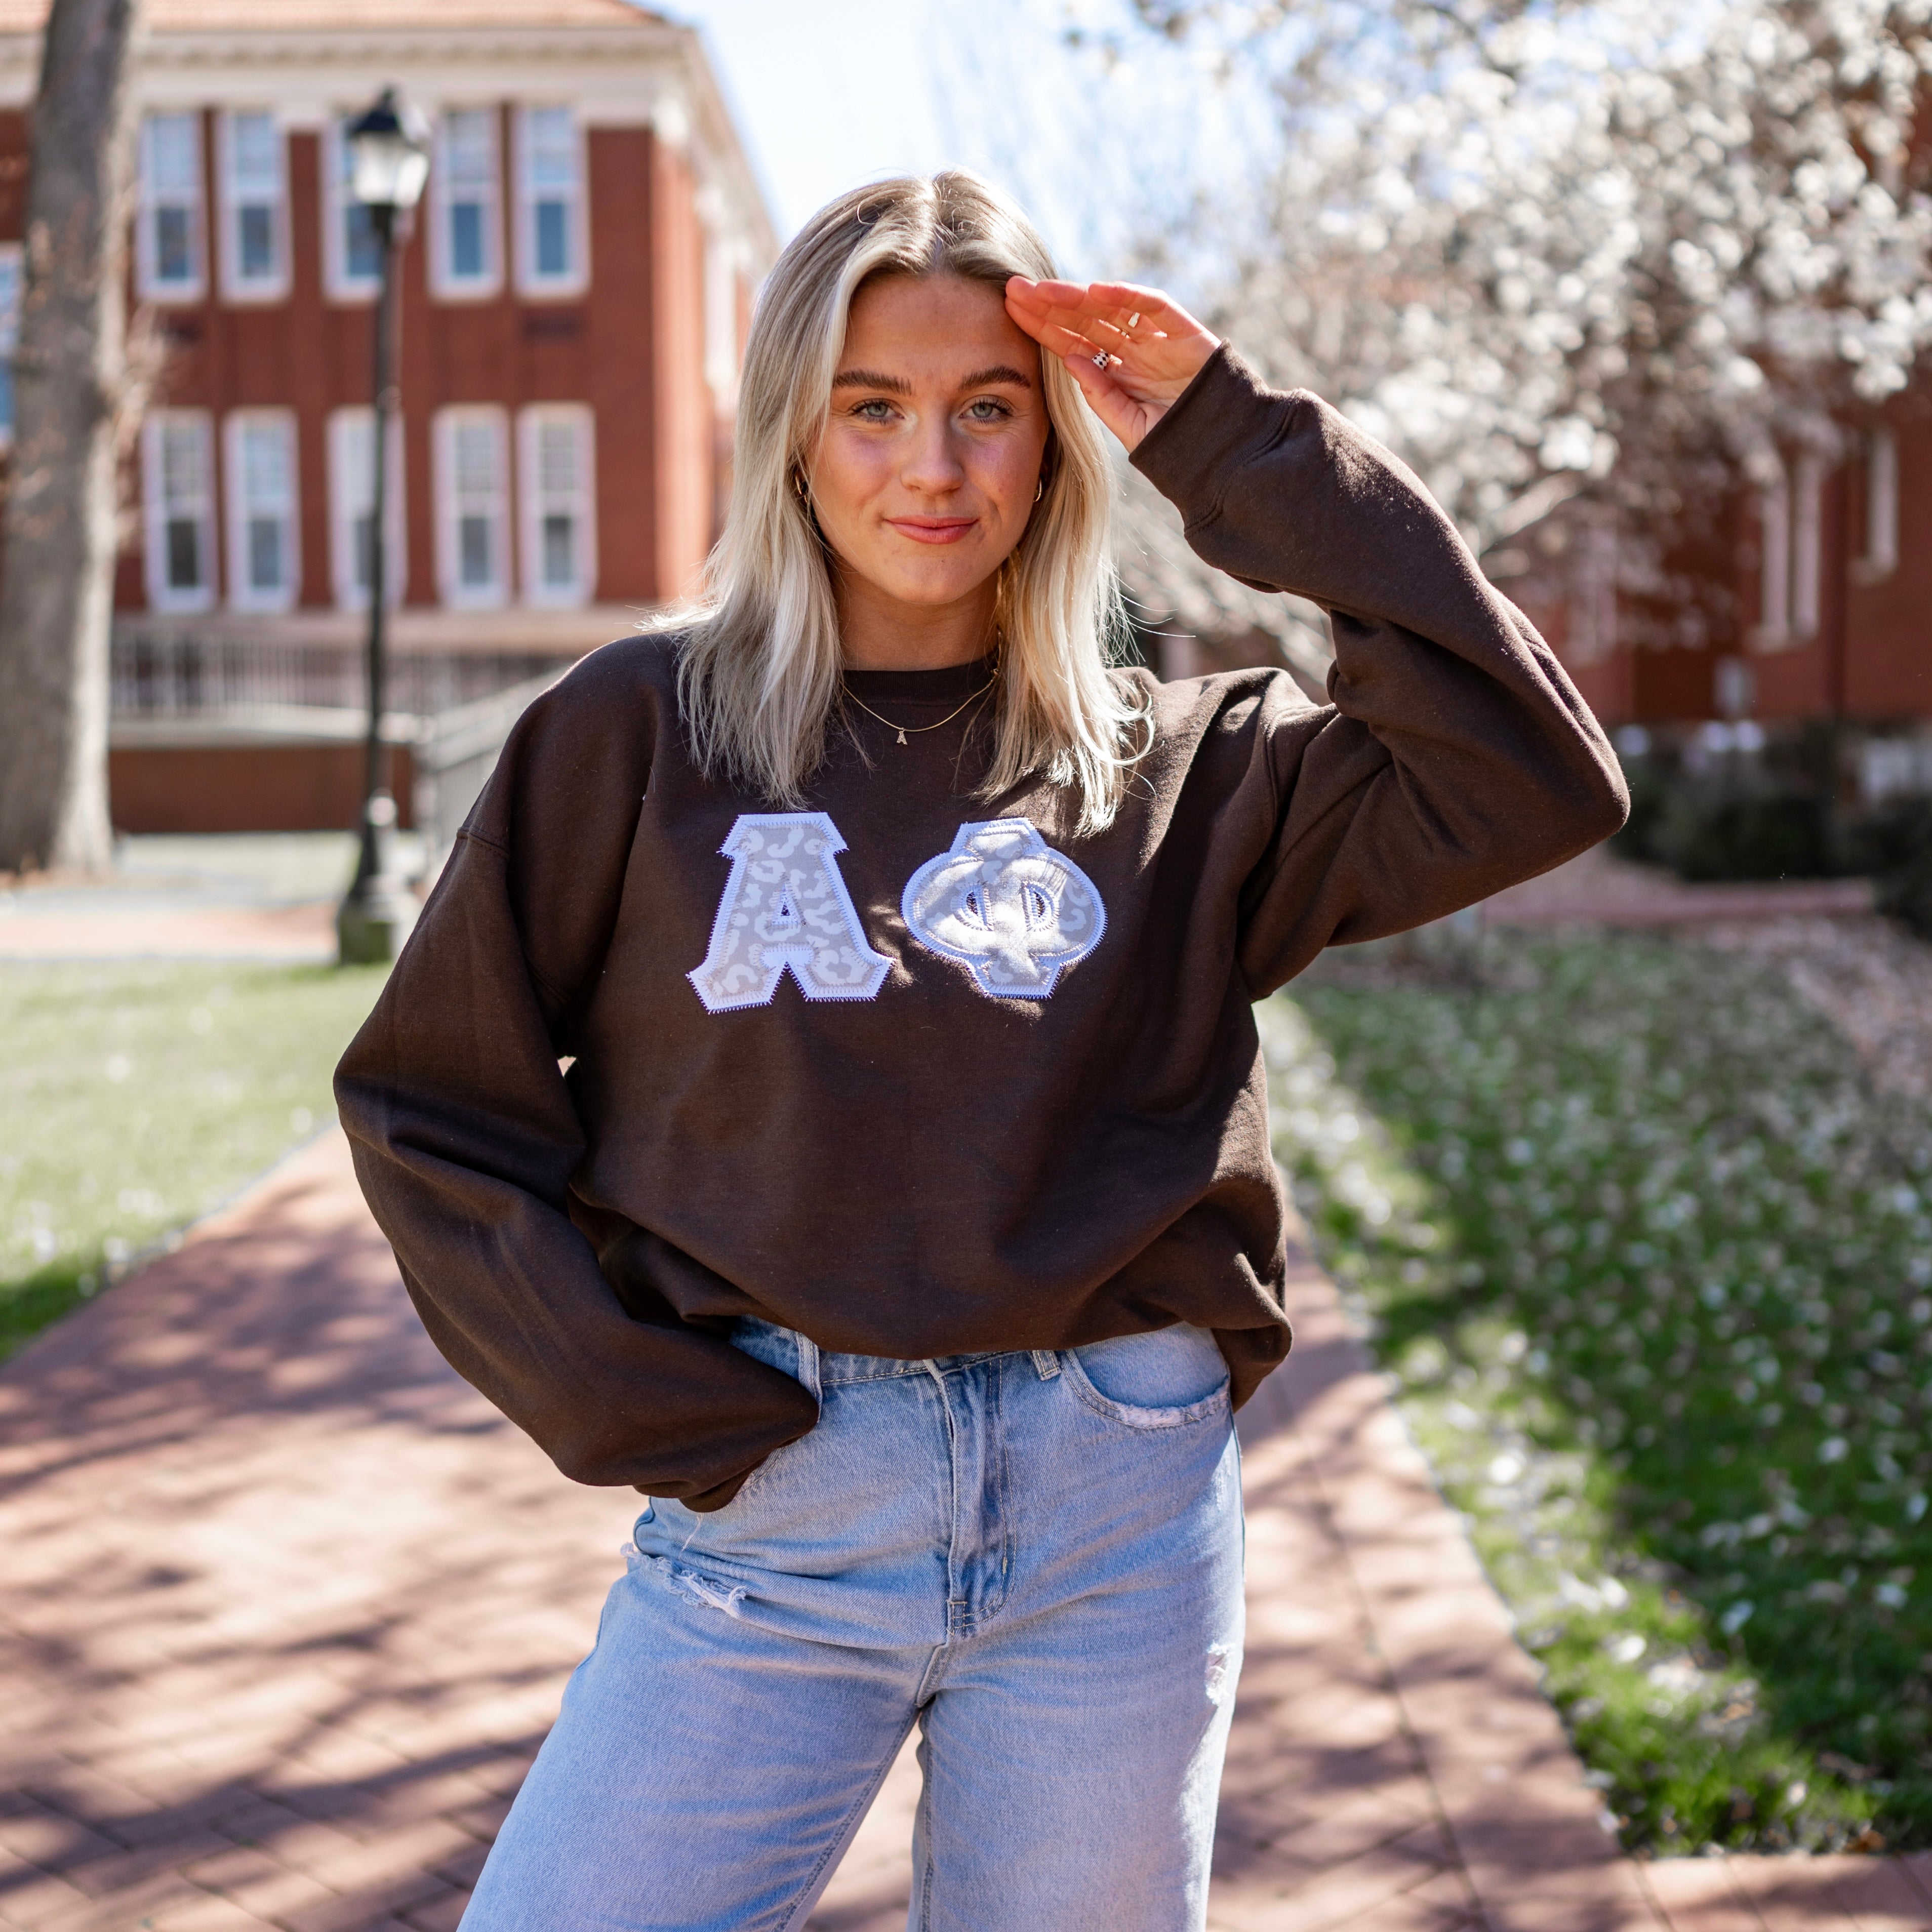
<point>759,670</point>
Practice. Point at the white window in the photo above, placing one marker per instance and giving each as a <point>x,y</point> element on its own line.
<point>264,553</point>
<point>552,246</point>
<point>555,481</point>
<point>1774,517</point>
<point>466,233</point>
<point>254,208</point>
<point>472,508</point>
<point>1808,530</point>
<point>351,253</point>
<point>178,497</point>
<point>1791,527</point>
<point>1593,596</point>
<point>352,522</point>
<point>168,245</point>
<point>1881,557</point>
<point>9,334</point>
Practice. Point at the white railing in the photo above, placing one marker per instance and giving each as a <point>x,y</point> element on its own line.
<point>204,679</point>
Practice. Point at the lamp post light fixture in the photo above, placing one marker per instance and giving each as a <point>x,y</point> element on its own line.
<point>389,156</point>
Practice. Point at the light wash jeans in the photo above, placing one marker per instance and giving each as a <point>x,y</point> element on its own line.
<point>1036,1557</point>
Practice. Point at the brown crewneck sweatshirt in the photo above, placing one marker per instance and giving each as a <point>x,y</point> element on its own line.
<point>913,1072</point>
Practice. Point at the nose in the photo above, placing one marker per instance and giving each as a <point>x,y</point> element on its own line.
<point>932,467</point>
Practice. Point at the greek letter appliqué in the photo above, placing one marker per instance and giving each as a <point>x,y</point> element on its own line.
<point>1007,904</point>
<point>785,905</point>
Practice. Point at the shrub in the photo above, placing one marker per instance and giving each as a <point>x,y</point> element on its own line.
<point>1893,844</point>
<point>1650,794</point>
<point>1748,829</point>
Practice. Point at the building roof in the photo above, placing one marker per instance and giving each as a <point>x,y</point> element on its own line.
<point>188,17</point>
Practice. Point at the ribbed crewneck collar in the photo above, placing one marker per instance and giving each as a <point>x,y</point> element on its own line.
<point>949,685</point>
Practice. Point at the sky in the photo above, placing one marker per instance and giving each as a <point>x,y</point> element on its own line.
<point>826,93</point>
<point>829,93</point>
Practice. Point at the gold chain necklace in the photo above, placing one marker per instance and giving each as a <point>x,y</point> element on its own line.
<point>915,729</point>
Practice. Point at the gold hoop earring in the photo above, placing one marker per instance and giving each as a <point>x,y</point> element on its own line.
<point>798,490</point>
<point>1040,489</point>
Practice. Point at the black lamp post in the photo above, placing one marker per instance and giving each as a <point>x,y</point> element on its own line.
<point>389,151</point>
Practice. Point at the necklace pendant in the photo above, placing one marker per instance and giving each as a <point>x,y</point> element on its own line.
<point>902,735</point>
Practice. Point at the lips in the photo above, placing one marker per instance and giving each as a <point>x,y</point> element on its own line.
<point>933,529</point>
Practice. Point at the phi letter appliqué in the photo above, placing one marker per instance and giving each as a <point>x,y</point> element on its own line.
<point>785,905</point>
<point>1003,901</point>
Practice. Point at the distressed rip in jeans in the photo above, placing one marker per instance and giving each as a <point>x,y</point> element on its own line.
<point>1034,1556</point>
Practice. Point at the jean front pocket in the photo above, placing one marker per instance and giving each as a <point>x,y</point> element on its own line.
<point>1162,1380</point>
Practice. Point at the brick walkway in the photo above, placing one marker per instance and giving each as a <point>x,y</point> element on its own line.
<point>1599,888</point>
<point>293,934</point>
<point>286,1609</point>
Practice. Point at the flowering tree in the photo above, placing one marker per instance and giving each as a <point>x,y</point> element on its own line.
<point>1557,248</point>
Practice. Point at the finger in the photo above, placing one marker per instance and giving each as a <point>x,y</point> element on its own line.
<point>1096,384</point>
<point>1117,410</point>
<point>1130,331</point>
<point>1131,295</point>
<point>1059,339</point>
<point>1090,337</point>
<point>1158,310</point>
<point>1045,293</point>
<point>1071,304</point>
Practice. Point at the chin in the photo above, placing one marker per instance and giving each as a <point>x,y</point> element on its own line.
<point>934,591</point>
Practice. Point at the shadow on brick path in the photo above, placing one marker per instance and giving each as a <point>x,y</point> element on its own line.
<point>287,1608</point>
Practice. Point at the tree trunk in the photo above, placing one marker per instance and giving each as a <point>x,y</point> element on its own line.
<point>58,548</point>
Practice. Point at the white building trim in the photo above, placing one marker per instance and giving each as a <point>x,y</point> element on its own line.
<point>556,499</point>
<point>348,275</point>
<point>472,459</point>
<point>171,217</point>
<point>351,444</point>
<point>466,203</point>
<point>261,472</point>
<point>178,509</point>
<point>551,200</point>
<point>252,190</point>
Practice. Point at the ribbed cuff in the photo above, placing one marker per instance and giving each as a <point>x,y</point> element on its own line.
<point>1225,412</point>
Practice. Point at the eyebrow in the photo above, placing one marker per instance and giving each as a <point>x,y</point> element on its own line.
<point>998,372</point>
<point>897,385</point>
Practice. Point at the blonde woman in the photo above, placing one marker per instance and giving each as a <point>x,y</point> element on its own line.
<point>822,1092</point>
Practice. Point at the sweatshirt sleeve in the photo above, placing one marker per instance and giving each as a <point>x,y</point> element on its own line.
<point>1455,757</point>
<point>465,1138</point>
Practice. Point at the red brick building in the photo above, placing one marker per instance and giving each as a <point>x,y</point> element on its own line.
<point>1814,603</point>
<point>573,309</point>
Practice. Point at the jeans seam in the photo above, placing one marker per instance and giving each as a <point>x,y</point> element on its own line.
<point>848,1825</point>
<point>924,1879</point>
<point>1001,1480</point>
<point>953,1494</point>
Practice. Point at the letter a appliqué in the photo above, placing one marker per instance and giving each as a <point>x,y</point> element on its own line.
<point>786,904</point>
<point>1005,903</point>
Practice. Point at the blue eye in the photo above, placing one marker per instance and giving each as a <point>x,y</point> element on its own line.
<point>988,409</point>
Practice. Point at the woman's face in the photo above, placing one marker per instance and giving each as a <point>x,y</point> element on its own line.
<point>924,478</point>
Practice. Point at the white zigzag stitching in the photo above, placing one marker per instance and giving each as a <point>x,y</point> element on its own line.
<point>786,906</point>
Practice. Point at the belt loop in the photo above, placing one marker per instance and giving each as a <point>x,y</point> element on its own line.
<point>1047,1362</point>
<point>808,1372</point>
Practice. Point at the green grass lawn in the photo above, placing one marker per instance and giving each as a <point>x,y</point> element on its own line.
<point>136,1096</point>
<point>1650,1263</point>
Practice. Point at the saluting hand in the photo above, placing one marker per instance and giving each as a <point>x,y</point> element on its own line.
<point>1131,350</point>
